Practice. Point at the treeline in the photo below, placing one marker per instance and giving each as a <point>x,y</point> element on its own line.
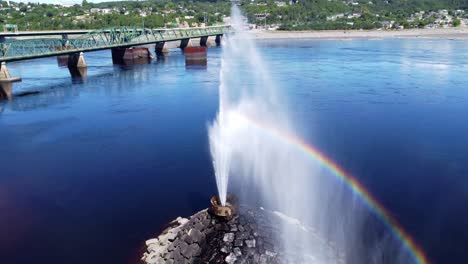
<point>315,14</point>
<point>152,13</point>
<point>287,15</point>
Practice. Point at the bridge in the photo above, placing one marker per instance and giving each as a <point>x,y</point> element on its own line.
<point>118,37</point>
<point>121,40</point>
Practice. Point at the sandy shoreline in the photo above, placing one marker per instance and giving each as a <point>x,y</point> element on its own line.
<point>442,33</point>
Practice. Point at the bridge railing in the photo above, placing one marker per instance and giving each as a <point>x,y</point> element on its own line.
<point>99,39</point>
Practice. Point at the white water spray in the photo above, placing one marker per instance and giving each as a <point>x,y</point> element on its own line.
<point>236,87</point>
<point>262,165</point>
<point>267,168</point>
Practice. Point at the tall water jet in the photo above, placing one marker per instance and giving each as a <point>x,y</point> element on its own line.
<point>248,100</point>
<point>235,90</point>
<point>257,151</point>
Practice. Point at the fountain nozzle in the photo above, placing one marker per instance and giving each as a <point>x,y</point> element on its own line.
<point>226,211</point>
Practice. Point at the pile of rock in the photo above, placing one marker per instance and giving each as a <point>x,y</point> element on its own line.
<point>251,236</point>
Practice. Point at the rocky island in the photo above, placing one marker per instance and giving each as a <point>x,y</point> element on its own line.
<point>249,236</point>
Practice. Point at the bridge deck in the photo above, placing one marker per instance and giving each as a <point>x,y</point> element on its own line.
<point>98,40</point>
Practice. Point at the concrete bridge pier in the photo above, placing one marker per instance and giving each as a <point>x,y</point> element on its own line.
<point>185,43</point>
<point>131,56</point>
<point>6,82</point>
<point>77,66</point>
<point>204,41</point>
<point>118,55</point>
<point>78,75</point>
<point>161,49</point>
<point>218,40</point>
<point>76,60</point>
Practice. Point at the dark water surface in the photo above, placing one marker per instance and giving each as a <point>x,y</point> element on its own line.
<point>89,170</point>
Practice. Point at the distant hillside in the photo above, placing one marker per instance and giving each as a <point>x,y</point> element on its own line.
<point>155,14</point>
<point>355,14</point>
<point>287,15</point>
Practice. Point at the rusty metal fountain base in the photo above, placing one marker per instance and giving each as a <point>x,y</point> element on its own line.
<point>224,211</point>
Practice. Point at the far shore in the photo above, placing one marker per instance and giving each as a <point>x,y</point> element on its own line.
<point>440,33</point>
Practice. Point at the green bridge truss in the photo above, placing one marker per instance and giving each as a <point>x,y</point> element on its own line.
<point>98,40</point>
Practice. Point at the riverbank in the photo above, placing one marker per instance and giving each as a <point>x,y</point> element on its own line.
<point>441,33</point>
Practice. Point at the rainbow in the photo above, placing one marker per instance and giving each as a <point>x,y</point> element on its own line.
<point>339,173</point>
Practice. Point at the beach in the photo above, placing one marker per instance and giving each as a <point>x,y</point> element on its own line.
<point>441,33</point>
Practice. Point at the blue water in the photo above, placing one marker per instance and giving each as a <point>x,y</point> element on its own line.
<point>90,169</point>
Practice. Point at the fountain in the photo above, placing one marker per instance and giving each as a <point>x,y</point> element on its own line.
<point>239,232</point>
<point>261,167</point>
<point>245,89</point>
<point>257,151</point>
<point>289,209</point>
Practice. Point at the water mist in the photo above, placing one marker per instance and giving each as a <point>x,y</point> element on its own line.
<point>252,154</point>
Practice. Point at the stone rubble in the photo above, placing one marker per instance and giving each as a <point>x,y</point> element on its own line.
<point>249,237</point>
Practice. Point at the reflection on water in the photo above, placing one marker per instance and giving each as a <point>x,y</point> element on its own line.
<point>34,100</point>
<point>92,164</point>
<point>78,75</point>
<point>62,142</point>
<point>51,90</point>
<point>64,92</point>
<point>5,90</point>
<point>136,61</point>
<point>196,64</point>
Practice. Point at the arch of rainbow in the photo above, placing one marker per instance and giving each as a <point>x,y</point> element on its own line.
<point>408,242</point>
<point>114,37</point>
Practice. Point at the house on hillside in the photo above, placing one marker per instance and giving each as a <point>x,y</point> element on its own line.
<point>170,11</point>
<point>261,16</point>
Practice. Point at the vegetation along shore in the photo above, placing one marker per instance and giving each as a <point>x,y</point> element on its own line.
<point>289,15</point>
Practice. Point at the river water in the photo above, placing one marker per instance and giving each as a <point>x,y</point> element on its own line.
<point>92,168</point>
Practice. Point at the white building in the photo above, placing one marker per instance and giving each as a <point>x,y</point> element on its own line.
<point>100,11</point>
<point>335,17</point>
<point>106,11</point>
